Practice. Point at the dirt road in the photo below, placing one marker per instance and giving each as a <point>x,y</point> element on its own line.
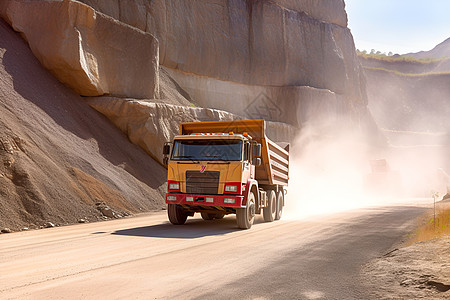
<point>147,258</point>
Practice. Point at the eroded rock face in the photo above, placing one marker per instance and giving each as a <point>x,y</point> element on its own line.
<point>294,105</point>
<point>226,53</point>
<point>280,43</point>
<point>150,124</point>
<point>90,52</point>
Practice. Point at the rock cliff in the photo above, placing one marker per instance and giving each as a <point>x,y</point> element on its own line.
<point>226,54</point>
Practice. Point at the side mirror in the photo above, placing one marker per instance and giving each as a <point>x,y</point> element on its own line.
<point>256,161</point>
<point>166,148</point>
<point>166,152</point>
<point>257,150</point>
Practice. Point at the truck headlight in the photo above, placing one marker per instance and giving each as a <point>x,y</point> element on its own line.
<point>231,188</point>
<point>171,198</point>
<point>174,186</point>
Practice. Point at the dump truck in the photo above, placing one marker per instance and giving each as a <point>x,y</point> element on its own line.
<point>225,167</point>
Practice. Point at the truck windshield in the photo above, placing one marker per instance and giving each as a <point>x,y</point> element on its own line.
<point>207,150</point>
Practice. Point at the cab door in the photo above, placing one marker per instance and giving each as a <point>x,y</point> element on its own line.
<point>248,170</point>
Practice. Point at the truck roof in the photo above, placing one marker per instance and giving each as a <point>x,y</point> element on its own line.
<point>204,136</point>
<point>255,128</point>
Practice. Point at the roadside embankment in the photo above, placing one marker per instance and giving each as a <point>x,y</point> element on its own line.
<point>419,270</point>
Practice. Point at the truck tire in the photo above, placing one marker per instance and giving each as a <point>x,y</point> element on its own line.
<point>246,216</point>
<point>207,216</point>
<point>280,204</point>
<point>177,214</point>
<point>270,210</point>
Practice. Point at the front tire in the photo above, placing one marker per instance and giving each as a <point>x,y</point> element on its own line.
<point>177,214</point>
<point>270,211</point>
<point>246,216</point>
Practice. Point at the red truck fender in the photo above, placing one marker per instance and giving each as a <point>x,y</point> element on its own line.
<point>252,184</point>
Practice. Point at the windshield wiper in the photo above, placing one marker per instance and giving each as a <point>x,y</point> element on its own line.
<point>189,157</point>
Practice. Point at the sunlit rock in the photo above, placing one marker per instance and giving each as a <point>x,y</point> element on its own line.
<point>90,52</point>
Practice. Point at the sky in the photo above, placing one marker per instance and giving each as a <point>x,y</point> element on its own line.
<point>398,26</point>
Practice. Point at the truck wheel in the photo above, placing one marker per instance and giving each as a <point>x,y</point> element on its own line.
<point>280,204</point>
<point>246,216</point>
<point>270,211</point>
<point>177,214</point>
<point>207,216</point>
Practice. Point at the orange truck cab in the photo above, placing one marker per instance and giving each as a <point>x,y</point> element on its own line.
<point>225,167</point>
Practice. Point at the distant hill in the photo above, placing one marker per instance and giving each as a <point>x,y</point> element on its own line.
<point>440,51</point>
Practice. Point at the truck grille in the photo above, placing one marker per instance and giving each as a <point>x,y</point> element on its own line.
<point>202,183</point>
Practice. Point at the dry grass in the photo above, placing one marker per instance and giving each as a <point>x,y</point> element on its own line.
<point>432,228</point>
<point>407,74</point>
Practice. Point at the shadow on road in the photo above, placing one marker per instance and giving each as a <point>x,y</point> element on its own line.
<point>194,228</point>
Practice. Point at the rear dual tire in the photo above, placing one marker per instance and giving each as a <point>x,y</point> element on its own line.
<point>280,204</point>
<point>270,211</point>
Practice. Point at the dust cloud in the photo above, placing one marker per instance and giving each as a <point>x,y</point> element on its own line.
<point>330,174</point>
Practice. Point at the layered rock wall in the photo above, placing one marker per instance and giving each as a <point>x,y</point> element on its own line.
<point>416,92</point>
<point>272,103</point>
<point>255,45</point>
<point>87,50</point>
<point>251,42</point>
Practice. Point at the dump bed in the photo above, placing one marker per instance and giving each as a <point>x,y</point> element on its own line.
<point>274,168</point>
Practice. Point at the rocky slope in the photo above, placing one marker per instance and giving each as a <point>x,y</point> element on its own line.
<point>59,157</point>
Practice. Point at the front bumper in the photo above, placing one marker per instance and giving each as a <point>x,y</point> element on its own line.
<point>234,201</point>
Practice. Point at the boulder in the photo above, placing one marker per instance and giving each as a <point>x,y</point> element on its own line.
<point>49,225</point>
<point>107,212</point>
<point>90,52</point>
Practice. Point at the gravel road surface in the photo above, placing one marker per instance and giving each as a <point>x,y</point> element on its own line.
<point>145,257</point>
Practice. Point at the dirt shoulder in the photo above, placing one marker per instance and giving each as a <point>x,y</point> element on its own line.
<point>419,271</point>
